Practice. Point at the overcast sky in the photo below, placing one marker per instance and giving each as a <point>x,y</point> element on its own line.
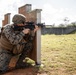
<point>53,11</point>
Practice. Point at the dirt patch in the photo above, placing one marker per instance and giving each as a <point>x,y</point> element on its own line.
<point>26,71</point>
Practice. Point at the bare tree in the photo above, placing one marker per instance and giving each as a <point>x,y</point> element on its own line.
<point>66,20</point>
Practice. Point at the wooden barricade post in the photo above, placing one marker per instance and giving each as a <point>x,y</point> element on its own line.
<point>35,16</point>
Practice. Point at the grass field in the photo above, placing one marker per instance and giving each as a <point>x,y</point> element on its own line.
<point>58,54</point>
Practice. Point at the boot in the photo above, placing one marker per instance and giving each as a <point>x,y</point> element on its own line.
<point>20,63</point>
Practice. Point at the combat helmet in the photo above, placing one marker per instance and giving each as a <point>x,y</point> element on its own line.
<point>18,19</point>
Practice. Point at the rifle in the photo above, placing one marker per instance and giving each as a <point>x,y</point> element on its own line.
<point>30,25</point>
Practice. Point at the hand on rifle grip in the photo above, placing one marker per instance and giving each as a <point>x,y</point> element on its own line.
<point>26,31</point>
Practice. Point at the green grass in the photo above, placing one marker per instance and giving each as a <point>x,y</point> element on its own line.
<point>58,54</point>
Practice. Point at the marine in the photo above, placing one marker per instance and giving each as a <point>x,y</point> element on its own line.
<point>14,43</point>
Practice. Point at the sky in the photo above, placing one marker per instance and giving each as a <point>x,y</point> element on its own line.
<point>53,11</point>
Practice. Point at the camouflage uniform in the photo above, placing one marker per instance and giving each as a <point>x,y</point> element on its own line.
<point>17,43</point>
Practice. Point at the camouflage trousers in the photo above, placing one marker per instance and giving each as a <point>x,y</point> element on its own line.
<point>5,56</point>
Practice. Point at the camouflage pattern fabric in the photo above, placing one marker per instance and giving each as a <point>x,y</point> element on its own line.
<point>5,57</point>
<point>15,38</point>
<point>28,48</point>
